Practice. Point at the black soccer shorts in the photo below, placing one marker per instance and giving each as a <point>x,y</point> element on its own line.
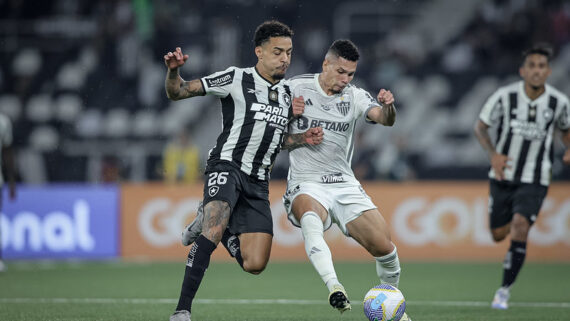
<point>248,198</point>
<point>507,198</point>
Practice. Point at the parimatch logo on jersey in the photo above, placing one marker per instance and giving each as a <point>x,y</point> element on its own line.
<point>274,115</point>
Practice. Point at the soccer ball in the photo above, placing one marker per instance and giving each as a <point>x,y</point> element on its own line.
<point>384,303</point>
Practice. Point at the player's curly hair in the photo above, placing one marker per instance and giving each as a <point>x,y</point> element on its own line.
<point>544,49</point>
<point>272,28</point>
<point>344,48</point>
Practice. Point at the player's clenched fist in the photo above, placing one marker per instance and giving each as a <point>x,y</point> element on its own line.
<point>314,136</point>
<point>385,97</point>
<point>298,106</point>
<point>175,59</point>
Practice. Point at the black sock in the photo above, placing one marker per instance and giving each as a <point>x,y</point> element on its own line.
<point>513,262</point>
<point>231,243</point>
<point>196,265</point>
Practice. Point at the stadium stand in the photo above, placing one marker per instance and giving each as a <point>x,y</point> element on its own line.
<point>83,80</point>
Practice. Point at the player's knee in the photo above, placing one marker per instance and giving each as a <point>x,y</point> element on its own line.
<point>498,236</point>
<point>254,266</point>
<point>520,225</point>
<point>214,233</point>
<point>380,247</point>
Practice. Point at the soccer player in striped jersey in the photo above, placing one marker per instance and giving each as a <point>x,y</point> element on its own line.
<point>256,108</point>
<point>321,186</point>
<point>525,113</point>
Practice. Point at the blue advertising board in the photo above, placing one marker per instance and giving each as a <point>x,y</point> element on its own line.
<point>61,221</point>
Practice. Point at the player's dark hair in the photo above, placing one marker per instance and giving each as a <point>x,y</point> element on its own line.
<point>344,48</point>
<point>540,49</point>
<point>270,29</point>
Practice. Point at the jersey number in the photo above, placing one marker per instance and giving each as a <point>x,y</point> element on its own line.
<point>218,178</point>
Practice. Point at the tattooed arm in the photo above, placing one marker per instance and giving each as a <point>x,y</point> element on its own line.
<point>176,87</point>
<point>313,136</point>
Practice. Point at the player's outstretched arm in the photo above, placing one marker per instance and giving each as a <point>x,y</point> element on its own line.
<point>313,136</point>
<point>387,114</point>
<point>176,87</point>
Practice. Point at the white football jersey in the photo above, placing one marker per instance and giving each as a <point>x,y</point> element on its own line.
<point>328,162</point>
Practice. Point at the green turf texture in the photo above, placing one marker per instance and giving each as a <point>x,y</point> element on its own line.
<point>28,291</point>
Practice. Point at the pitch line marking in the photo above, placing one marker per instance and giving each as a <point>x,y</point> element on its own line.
<point>563,305</point>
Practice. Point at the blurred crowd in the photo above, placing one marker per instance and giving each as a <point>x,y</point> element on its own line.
<point>83,81</point>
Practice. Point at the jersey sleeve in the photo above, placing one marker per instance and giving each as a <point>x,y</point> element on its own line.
<point>364,102</point>
<point>563,121</point>
<point>492,109</point>
<point>5,131</point>
<point>219,83</point>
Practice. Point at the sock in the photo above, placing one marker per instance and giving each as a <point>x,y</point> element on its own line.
<point>388,268</point>
<point>514,260</point>
<point>231,243</point>
<point>196,265</point>
<point>317,249</point>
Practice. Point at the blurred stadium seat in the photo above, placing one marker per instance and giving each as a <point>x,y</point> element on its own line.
<point>76,77</point>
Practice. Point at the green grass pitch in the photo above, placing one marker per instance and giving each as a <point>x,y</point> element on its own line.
<point>284,291</point>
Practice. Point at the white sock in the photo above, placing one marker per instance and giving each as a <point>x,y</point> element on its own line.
<point>317,249</point>
<point>388,268</point>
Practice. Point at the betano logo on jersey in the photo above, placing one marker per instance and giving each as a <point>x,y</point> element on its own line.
<point>274,115</point>
<point>303,123</point>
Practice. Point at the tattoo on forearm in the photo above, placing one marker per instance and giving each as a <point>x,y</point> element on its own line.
<point>192,88</point>
<point>177,88</point>
<point>293,141</point>
<point>172,74</point>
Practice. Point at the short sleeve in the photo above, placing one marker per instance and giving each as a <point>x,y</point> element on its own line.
<point>219,83</point>
<point>492,109</point>
<point>364,102</point>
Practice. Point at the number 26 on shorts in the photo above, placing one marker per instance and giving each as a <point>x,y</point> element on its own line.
<point>217,178</point>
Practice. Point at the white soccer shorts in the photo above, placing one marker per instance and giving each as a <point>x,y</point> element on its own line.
<point>343,201</point>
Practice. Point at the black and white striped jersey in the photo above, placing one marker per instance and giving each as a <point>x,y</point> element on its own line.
<point>525,130</point>
<point>254,116</point>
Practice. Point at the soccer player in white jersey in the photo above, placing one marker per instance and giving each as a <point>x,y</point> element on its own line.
<point>525,113</point>
<point>7,163</point>
<point>321,187</point>
<point>256,108</point>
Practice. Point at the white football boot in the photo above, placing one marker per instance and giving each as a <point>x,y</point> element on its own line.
<point>338,299</point>
<point>193,230</point>
<point>181,315</point>
<point>501,299</point>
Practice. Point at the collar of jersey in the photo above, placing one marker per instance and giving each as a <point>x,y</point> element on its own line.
<point>258,75</point>
<point>526,98</point>
<point>320,89</point>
